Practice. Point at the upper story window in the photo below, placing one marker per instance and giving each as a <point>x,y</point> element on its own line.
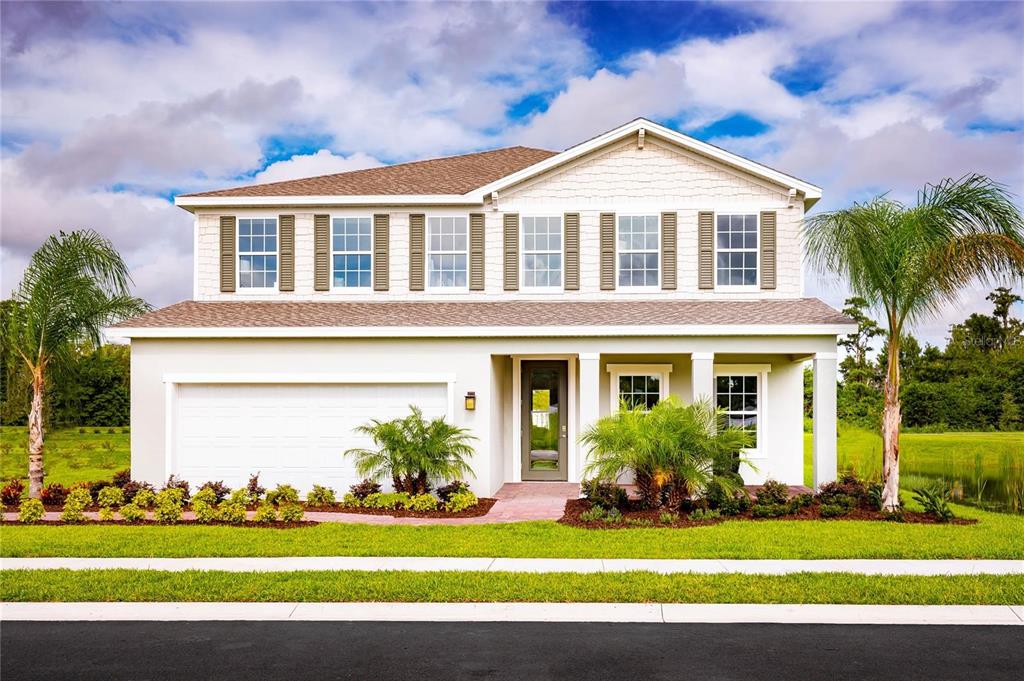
<point>638,250</point>
<point>736,246</point>
<point>448,252</point>
<point>542,252</point>
<point>257,253</point>
<point>351,252</point>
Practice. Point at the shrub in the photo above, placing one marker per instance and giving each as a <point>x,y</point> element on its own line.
<point>31,511</point>
<point>292,513</point>
<point>144,497</point>
<point>604,494</point>
<point>254,488</point>
<point>874,498</point>
<point>232,512</point>
<point>849,486</point>
<point>320,496</point>
<point>12,491</point>
<point>666,518</point>
<point>54,494</point>
<point>205,495</point>
<point>365,489</point>
<point>593,514</point>
<point>205,511</point>
<point>612,516</point>
<point>422,502</point>
<point>106,513</point>
<point>772,492</point>
<point>95,487</point>
<point>132,513</point>
<point>390,500</point>
<point>121,478</point>
<point>640,522</point>
<point>351,500</point>
<point>219,489</point>
<point>240,496</point>
<point>168,504</point>
<point>110,496</point>
<point>833,510</point>
<point>769,510</point>
<point>460,501</point>
<point>174,482</point>
<point>705,514</point>
<point>283,494</point>
<point>265,513</point>
<point>800,501</point>
<point>726,494</point>
<point>133,487</point>
<point>75,505</point>
<point>935,501</point>
<point>445,492</point>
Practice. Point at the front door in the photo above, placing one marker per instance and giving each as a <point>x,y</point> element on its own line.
<point>544,419</point>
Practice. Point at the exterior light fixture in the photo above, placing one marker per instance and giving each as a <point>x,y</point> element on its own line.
<point>471,401</point>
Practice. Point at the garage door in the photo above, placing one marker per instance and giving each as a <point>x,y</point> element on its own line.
<point>289,433</point>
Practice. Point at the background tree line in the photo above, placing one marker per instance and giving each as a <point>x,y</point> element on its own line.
<point>975,383</point>
<point>91,387</point>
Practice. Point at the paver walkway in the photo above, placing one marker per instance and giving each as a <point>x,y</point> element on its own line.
<point>516,502</point>
<point>577,565</point>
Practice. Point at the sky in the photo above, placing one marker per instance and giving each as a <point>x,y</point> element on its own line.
<point>109,110</point>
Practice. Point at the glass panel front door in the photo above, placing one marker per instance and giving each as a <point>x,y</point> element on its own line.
<point>544,420</point>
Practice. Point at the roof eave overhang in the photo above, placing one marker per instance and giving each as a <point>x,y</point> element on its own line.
<point>484,331</point>
<point>193,203</point>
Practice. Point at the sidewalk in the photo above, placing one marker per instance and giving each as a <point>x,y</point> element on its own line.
<point>667,613</point>
<point>527,565</point>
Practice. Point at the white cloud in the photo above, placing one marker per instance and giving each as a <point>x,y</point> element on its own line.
<point>323,162</point>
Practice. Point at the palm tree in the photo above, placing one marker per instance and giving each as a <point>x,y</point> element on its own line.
<point>412,451</point>
<point>909,261</point>
<point>670,447</point>
<point>73,286</point>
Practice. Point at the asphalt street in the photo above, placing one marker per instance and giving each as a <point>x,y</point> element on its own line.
<point>419,651</point>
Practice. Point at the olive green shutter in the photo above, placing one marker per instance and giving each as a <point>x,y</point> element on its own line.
<point>607,251</point>
<point>572,251</point>
<point>768,249</point>
<point>668,251</point>
<point>286,253</point>
<point>706,250</point>
<point>321,252</point>
<point>227,253</point>
<point>511,223</point>
<point>417,241</point>
<point>476,251</point>
<point>381,238</point>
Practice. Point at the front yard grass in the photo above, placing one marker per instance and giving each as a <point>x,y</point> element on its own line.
<point>996,535</point>
<point>458,587</point>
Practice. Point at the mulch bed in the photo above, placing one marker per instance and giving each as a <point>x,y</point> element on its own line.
<point>248,523</point>
<point>574,508</point>
<point>482,507</point>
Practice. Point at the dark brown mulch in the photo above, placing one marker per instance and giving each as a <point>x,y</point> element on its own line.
<point>271,526</point>
<point>482,507</point>
<point>574,508</point>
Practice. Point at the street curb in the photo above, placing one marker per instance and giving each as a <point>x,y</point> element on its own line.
<point>668,613</point>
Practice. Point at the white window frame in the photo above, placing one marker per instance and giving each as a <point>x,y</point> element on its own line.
<point>661,371</point>
<point>428,251</point>
<point>351,289</point>
<point>657,251</point>
<point>523,254</point>
<point>239,253</point>
<point>756,286</point>
<point>759,371</point>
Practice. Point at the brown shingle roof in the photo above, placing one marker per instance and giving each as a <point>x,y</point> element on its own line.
<point>498,313</point>
<point>449,175</point>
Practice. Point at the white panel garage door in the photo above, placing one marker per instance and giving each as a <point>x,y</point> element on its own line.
<point>289,433</point>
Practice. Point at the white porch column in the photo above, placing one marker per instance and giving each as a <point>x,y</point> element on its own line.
<point>825,420</point>
<point>590,396</point>
<point>702,376</point>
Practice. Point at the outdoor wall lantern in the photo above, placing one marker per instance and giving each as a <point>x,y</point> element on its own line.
<point>470,401</point>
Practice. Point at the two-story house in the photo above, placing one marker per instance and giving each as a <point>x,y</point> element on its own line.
<point>519,292</point>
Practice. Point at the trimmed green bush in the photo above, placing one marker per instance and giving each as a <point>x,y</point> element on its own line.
<point>320,496</point>
<point>292,513</point>
<point>387,500</point>
<point>145,498</point>
<point>833,510</point>
<point>168,505</point>
<point>422,502</point>
<point>772,492</point>
<point>705,514</point>
<point>231,512</point>
<point>241,497</point>
<point>31,511</point>
<point>351,500</point>
<point>75,505</point>
<point>109,497</point>
<point>132,513</point>
<point>265,513</point>
<point>283,494</point>
<point>206,495</point>
<point>603,494</point>
<point>205,512</point>
<point>460,501</point>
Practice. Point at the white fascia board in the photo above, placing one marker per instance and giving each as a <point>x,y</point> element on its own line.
<point>191,202</point>
<point>811,192</point>
<point>327,378</point>
<point>485,331</point>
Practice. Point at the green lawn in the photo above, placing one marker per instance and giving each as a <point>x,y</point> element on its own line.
<point>458,587</point>
<point>69,456</point>
<point>997,535</point>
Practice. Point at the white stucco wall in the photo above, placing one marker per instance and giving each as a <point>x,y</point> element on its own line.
<point>619,178</point>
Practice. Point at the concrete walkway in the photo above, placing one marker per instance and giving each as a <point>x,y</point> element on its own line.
<point>527,565</point>
<point>519,612</point>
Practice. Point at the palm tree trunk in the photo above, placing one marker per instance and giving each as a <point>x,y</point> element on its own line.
<point>35,435</point>
<point>891,419</point>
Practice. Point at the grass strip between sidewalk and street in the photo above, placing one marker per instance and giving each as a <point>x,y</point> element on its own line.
<point>458,587</point>
<point>996,535</point>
